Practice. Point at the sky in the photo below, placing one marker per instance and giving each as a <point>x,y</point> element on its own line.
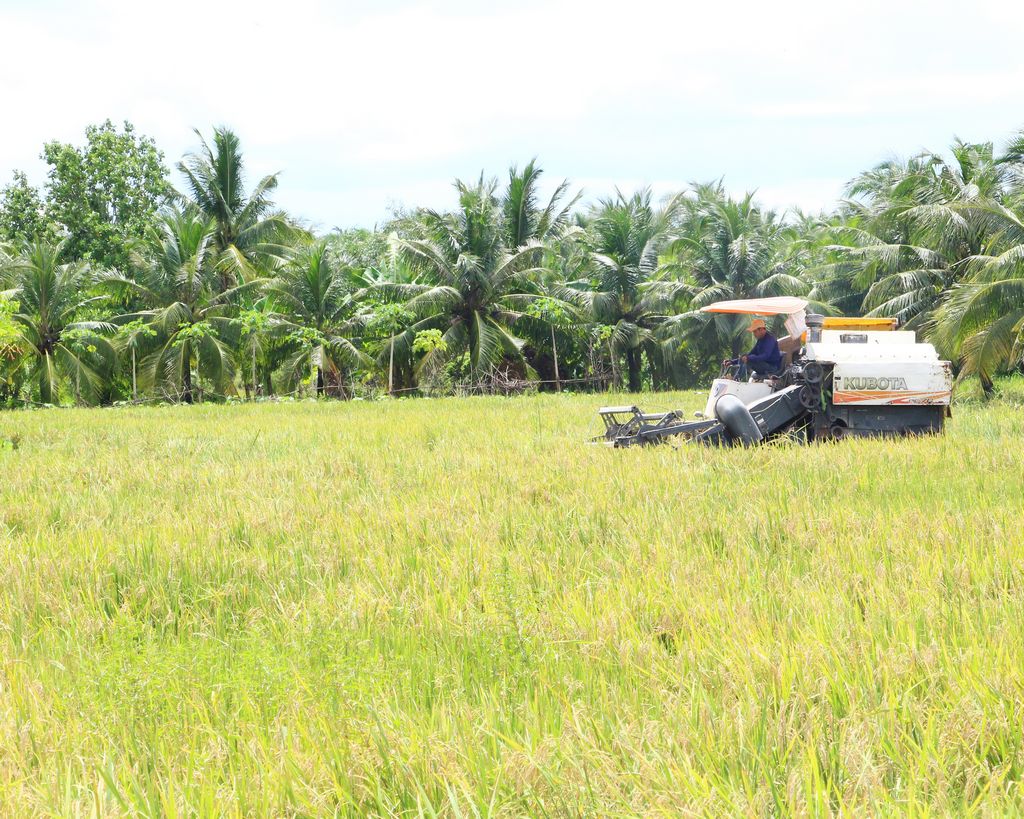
<point>364,106</point>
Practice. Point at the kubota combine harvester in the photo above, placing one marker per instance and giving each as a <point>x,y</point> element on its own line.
<point>839,377</point>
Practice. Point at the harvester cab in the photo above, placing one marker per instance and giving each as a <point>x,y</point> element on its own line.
<point>840,377</point>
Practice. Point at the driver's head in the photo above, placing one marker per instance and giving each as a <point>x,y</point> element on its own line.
<point>758,328</point>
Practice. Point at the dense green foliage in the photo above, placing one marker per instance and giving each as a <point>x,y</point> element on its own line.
<point>501,292</point>
<point>104,195</point>
<point>455,608</point>
<point>22,217</point>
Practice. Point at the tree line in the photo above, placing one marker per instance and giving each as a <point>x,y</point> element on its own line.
<point>117,286</point>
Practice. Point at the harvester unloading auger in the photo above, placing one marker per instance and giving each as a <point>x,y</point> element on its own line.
<point>840,377</point>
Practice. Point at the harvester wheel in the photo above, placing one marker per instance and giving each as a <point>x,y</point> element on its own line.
<point>813,372</point>
<point>809,399</point>
<point>837,431</point>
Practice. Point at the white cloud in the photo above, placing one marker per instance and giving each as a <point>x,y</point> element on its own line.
<point>362,104</point>
<point>809,195</point>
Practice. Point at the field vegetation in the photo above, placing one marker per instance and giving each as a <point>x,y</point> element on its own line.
<point>454,607</point>
<point>226,599</point>
<point>117,286</point>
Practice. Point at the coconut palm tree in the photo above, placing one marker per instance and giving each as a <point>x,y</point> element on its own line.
<point>626,236</point>
<point>61,346</point>
<point>730,249</point>
<point>467,274</point>
<point>316,296</point>
<point>473,285</point>
<point>177,279</point>
<point>555,324</point>
<point>867,273</point>
<point>910,226</point>
<point>523,219</point>
<point>981,322</point>
<point>388,320</point>
<point>249,236</point>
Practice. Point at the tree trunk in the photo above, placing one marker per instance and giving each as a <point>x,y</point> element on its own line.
<point>186,384</point>
<point>659,371</point>
<point>255,386</point>
<point>554,352</point>
<point>319,381</point>
<point>591,370</point>
<point>405,380</point>
<point>135,390</point>
<point>45,393</point>
<point>611,358</point>
<point>988,388</point>
<point>633,362</point>
<point>594,354</point>
<point>391,367</point>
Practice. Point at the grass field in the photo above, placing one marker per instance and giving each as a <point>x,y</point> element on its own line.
<point>456,607</point>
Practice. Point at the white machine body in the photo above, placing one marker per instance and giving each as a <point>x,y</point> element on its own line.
<point>882,368</point>
<point>747,391</point>
<point>870,368</point>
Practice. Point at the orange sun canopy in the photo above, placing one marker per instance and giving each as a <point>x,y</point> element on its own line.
<point>773,306</point>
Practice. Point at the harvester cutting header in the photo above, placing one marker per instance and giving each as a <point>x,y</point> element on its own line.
<point>837,377</point>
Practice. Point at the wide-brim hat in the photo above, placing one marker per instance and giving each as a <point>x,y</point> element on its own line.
<point>757,324</point>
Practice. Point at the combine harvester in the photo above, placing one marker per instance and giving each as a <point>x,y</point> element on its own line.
<point>839,377</point>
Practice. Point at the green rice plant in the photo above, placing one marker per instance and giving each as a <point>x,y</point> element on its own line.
<point>456,607</point>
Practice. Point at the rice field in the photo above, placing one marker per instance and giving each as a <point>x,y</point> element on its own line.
<point>454,607</point>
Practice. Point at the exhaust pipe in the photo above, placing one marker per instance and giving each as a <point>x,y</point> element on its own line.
<point>814,324</point>
<point>736,418</point>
